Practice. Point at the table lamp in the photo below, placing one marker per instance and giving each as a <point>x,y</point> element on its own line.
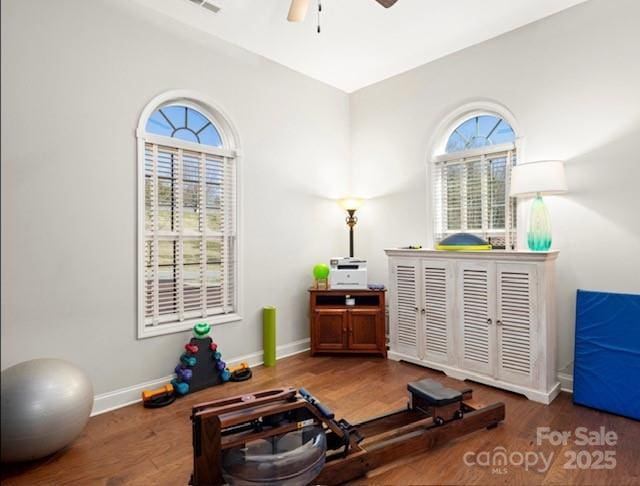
<point>351,205</point>
<point>535,179</point>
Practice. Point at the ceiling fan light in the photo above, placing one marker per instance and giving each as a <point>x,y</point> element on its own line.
<point>386,3</point>
<point>298,10</point>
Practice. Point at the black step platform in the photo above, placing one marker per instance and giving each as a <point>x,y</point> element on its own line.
<point>434,393</point>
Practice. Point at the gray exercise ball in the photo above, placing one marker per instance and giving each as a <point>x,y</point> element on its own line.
<point>45,405</point>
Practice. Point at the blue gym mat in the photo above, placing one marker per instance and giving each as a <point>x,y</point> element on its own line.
<point>607,355</point>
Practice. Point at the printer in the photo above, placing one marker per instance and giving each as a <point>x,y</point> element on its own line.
<point>348,273</point>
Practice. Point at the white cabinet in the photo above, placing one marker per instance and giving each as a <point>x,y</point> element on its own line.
<point>484,316</point>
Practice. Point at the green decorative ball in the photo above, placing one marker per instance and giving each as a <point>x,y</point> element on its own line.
<point>321,271</point>
<point>201,329</point>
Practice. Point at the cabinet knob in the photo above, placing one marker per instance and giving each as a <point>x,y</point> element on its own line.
<point>489,321</point>
<point>498,322</point>
<point>423,311</point>
<point>416,309</point>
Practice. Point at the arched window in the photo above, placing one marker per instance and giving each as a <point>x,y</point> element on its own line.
<point>184,123</point>
<point>471,178</point>
<point>480,131</point>
<point>187,229</point>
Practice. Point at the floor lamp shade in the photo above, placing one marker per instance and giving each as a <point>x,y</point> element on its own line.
<point>537,179</point>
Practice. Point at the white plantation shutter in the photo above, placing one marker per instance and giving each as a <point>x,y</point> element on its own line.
<point>471,194</point>
<point>189,232</point>
<point>476,291</point>
<point>515,295</point>
<point>437,301</point>
<point>405,281</point>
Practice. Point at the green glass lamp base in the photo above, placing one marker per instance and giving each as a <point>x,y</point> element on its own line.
<point>539,231</point>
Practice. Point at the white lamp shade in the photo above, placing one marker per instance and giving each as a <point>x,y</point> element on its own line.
<point>543,177</point>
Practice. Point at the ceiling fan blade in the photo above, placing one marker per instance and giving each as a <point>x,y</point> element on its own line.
<point>298,10</point>
<point>386,3</point>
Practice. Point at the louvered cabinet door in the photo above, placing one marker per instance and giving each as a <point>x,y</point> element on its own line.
<point>516,322</point>
<point>404,307</point>
<point>476,291</point>
<point>437,298</point>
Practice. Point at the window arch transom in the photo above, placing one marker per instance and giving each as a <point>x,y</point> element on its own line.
<point>480,131</point>
<point>184,123</point>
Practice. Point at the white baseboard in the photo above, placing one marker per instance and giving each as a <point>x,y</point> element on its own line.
<point>106,402</point>
<point>566,382</point>
<point>283,351</point>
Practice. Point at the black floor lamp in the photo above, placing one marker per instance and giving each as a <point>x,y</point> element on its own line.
<point>351,205</point>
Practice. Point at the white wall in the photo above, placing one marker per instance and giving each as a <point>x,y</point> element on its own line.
<point>573,83</point>
<point>75,76</point>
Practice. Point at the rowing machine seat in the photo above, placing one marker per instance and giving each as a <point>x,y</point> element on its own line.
<point>434,393</point>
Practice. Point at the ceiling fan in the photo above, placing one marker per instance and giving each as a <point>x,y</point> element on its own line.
<point>298,8</point>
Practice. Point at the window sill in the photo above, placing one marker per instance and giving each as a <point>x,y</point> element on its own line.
<point>174,327</point>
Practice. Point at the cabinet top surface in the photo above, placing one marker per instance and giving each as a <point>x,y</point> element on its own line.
<point>517,255</point>
<point>346,291</point>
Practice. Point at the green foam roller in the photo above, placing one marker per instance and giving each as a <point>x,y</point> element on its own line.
<point>269,335</point>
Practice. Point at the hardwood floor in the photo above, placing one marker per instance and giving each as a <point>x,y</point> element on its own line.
<point>138,446</point>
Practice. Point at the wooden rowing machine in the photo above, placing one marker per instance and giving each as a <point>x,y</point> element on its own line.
<point>434,415</point>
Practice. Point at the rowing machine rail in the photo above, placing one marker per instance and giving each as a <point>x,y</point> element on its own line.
<point>434,415</point>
